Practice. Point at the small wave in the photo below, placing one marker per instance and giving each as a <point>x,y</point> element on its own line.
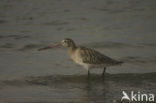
<point>136,59</point>
<point>111,45</point>
<point>63,81</point>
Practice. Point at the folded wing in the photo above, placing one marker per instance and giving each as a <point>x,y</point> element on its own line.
<point>94,57</point>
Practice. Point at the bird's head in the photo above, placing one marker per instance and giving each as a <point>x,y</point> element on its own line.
<point>68,42</point>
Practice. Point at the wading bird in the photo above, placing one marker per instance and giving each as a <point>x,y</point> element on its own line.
<point>87,57</point>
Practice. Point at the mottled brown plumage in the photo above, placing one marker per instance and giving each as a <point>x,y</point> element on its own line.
<point>94,57</point>
<point>87,57</point>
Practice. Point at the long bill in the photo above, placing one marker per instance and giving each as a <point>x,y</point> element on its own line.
<point>49,47</point>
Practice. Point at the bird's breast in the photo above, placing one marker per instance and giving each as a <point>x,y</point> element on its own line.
<point>75,56</point>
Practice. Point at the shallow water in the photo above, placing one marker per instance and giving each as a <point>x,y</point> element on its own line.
<point>76,88</point>
<point>122,29</point>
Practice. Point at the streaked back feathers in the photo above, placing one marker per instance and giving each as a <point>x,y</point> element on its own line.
<point>92,56</point>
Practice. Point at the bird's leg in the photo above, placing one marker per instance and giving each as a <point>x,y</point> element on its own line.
<point>88,72</point>
<point>104,70</point>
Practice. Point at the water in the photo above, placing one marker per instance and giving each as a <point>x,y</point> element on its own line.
<point>75,88</point>
<point>122,29</point>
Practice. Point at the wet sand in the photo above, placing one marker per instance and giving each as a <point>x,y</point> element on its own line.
<point>122,29</point>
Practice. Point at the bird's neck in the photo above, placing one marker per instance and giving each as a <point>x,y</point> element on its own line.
<point>71,49</point>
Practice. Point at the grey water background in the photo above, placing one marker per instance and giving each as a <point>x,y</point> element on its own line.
<point>122,29</point>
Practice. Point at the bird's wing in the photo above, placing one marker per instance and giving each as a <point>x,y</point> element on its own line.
<point>94,57</point>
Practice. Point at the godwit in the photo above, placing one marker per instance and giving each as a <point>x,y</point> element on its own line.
<point>87,57</point>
